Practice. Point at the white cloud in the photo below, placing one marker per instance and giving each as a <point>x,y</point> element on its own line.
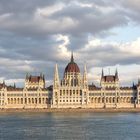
<point>49,10</point>
<point>16,81</point>
<point>62,48</point>
<point>34,36</point>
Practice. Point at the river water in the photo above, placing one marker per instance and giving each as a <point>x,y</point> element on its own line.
<point>70,126</point>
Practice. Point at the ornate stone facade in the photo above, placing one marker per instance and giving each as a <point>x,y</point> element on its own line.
<point>33,95</point>
<point>73,91</point>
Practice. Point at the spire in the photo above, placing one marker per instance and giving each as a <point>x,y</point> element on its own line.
<point>56,77</point>
<point>14,85</point>
<point>85,69</point>
<point>102,73</point>
<point>85,82</point>
<point>41,75</point>
<point>27,76</point>
<point>3,82</point>
<point>72,59</point>
<point>116,74</point>
<point>133,84</point>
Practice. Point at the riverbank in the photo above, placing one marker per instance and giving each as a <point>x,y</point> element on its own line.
<point>107,110</point>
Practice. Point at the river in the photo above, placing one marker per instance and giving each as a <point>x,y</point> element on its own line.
<point>69,126</point>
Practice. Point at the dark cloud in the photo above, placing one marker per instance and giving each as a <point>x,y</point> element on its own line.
<point>29,34</point>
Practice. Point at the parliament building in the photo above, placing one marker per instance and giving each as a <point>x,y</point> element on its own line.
<point>73,91</point>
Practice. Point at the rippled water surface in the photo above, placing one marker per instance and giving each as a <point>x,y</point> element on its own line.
<point>69,126</point>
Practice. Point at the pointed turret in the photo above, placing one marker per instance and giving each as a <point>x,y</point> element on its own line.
<point>102,73</point>
<point>72,58</point>
<point>85,82</point>
<point>27,76</point>
<point>3,82</point>
<point>102,76</point>
<point>116,75</point>
<point>14,85</point>
<point>133,84</point>
<point>41,75</point>
<point>56,77</point>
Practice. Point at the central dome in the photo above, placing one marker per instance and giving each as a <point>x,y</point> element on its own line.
<point>72,66</point>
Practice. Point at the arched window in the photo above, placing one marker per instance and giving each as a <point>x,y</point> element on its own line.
<point>39,100</point>
<point>103,100</point>
<point>113,99</point>
<point>21,100</point>
<point>15,101</point>
<point>32,100</point>
<point>46,100</point>
<point>9,101</point>
<point>99,100</point>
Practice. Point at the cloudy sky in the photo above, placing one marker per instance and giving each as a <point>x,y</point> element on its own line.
<point>36,34</point>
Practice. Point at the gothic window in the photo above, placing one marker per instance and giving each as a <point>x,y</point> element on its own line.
<point>81,92</point>
<point>8,101</point>
<point>70,92</point>
<point>110,100</point>
<point>75,82</point>
<point>106,100</point>
<point>39,100</point>
<point>11,100</point>
<point>35,100</point>
<point>118,100</point>
<point>113,99</point>
<point>18,101</point>
<point>132,100</point>
<point>21,100</point>
<point>99,100</point>
<point>46,100</point>
<point>77,92</point>
<point>103,100</point>
<point>29,100</point>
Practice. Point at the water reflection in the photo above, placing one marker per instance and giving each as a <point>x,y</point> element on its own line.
<point>69,126</point>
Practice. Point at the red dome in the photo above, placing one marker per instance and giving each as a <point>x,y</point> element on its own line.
<point>72,66</point>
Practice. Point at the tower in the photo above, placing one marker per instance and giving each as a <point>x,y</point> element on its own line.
<point>85,86</point>
<point>56,88</point>
<point>85,82</point>
<point>56,78</point>
<point>116,75</point>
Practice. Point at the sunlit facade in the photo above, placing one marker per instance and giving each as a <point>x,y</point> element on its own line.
<point>73,91</point>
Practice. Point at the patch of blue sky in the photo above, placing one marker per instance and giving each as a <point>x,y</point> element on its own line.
<point>124,34</point>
